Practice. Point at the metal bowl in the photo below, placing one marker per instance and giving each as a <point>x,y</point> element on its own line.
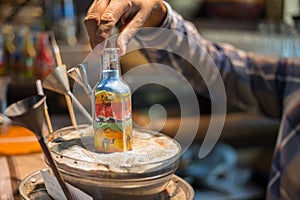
<point>32,187</point>
<point>103,181</point>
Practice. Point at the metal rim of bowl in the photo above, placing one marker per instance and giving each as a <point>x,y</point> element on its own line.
<point>166,163</point>
<point>34,177</point>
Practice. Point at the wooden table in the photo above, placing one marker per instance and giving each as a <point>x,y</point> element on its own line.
<point>13,169</point>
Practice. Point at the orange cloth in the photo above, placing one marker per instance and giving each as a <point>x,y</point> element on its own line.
<point>18,140</point>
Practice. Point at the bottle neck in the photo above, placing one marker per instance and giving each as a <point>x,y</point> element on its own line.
<point>110,73</point>
<point>110,69</point>
<point>110,63</point>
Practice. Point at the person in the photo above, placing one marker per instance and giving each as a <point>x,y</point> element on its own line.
<point>270,84</point>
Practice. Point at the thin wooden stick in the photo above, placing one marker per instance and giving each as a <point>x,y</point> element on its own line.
<point>71,110</point>
<point>56,50</point>
<point>40,91</point>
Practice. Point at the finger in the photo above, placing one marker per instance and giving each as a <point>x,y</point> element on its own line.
<point>111,16</point>
<point>92,19</point>
<point>92,27</point>
<point>127,16</point>
<point>94,11</point>
<point>128,32</point>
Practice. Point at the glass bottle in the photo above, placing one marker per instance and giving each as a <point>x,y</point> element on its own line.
<point>111,107</point>
<point>19,63</point>
<point>44,62</point>
<point>64,21</point>
<point>2,67</point>
<point>29,55</point>
<point>9,49</point>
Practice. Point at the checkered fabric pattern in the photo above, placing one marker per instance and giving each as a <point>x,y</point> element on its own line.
<point>256,83</point>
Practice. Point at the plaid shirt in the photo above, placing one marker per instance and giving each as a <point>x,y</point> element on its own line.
<point>259,83</point>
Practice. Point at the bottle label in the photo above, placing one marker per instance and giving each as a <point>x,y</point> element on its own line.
<point>112,122</point>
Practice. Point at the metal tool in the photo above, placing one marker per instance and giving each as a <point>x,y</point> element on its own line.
<point>58,82</point>
<point>59,76</point>
<point>62,78</point>
<point>79,75</point>
<point>29,112</point>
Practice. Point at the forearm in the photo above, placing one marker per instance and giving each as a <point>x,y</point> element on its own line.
<point>251,80</point>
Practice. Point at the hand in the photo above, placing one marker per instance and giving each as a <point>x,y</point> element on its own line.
<point>103,15</point>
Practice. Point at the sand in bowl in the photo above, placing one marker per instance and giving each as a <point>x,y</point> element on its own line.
<point>141,173</point>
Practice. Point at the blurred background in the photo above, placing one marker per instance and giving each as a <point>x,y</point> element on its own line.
<point>239,165</point>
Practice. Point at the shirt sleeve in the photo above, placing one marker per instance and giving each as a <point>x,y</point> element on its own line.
<point>252,82</point>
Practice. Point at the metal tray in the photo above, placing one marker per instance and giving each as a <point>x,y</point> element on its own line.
<point>32,188</point>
